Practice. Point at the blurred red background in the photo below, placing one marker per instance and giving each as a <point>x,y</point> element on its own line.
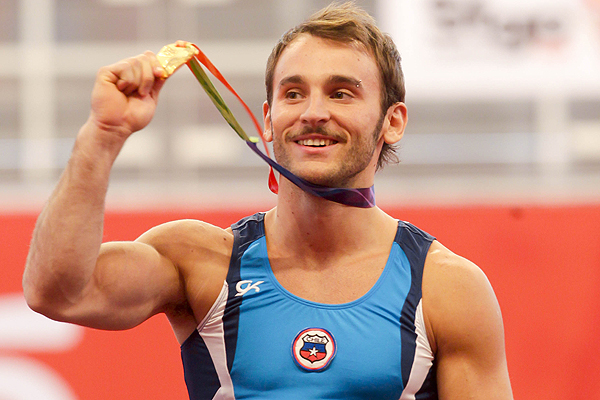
<point>543,262</point>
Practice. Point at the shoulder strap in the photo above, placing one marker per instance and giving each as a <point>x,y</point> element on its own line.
<point>415,243</point>
<point>245,231</point>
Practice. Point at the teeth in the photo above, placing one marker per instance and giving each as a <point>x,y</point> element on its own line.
<point>316,142</point>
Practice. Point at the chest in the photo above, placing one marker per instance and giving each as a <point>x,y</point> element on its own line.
<point>292,347</point>
<point>347,280</point>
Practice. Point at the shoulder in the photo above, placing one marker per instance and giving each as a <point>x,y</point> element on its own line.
<point>464,328</point>
<point>179,239</point>
<point>459,303</point>
<point>200,252</point>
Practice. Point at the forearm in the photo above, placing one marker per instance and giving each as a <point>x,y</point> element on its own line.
<point>68,233</point>
<point>59,277</point>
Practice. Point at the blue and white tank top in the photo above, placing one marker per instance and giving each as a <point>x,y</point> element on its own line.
<point>259,341</point>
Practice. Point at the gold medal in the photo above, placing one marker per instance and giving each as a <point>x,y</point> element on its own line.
<point>172,57</point>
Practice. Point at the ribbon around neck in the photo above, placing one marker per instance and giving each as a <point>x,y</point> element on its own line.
<point>172,56</point>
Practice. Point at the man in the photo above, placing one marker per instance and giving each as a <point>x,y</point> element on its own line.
<point>312,299</point>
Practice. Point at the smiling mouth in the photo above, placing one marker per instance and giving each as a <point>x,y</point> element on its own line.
<point>316,142</point>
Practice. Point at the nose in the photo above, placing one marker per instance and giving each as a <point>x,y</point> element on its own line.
<point>316,112</point>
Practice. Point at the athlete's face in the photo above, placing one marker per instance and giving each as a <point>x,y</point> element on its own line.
<point>325,119</point>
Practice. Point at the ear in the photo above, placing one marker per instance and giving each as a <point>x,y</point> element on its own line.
<point>397,117</point>
<point>267,132</point>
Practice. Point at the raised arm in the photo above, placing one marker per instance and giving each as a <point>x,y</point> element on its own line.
<point>465,328</point>
<point>61,278</point>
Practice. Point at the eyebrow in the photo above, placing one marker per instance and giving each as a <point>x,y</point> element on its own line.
<point>343,79</point>
<point>333,80</point>
<point>294,79</point>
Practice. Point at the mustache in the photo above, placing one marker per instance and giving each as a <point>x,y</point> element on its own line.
<point>318,130</point>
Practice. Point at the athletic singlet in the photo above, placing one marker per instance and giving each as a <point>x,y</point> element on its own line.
<point>259,341</point>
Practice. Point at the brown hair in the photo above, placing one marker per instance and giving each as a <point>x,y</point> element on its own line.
<point>347,23</point>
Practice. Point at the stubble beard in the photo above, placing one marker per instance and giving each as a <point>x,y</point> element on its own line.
<point>341,175</point>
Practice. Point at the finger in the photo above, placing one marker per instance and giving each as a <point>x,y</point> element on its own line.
<point>139,74</point>
<point>157,69</point>
<point>146,71</point>
<point>128,75</point>
<point>123,76</point>
<point>135,75</point>
<point>156,88</point>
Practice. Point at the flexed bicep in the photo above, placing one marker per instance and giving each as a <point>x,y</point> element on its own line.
<point>131,282</point>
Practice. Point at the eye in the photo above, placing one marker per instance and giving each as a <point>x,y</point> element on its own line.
<point>292,95</point>
<point>340,95</point>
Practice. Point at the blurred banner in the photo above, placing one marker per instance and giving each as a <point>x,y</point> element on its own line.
<point>496,48</point>
<point>543,262</point>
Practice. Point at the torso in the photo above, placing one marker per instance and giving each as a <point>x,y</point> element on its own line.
<point>268,304</point>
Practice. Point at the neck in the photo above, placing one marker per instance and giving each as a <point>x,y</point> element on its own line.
<point>311,227</point>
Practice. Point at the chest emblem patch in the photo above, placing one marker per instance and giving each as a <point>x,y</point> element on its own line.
<point>313,349</point>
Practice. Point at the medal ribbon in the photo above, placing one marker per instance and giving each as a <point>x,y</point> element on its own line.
<point>172,57</point>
